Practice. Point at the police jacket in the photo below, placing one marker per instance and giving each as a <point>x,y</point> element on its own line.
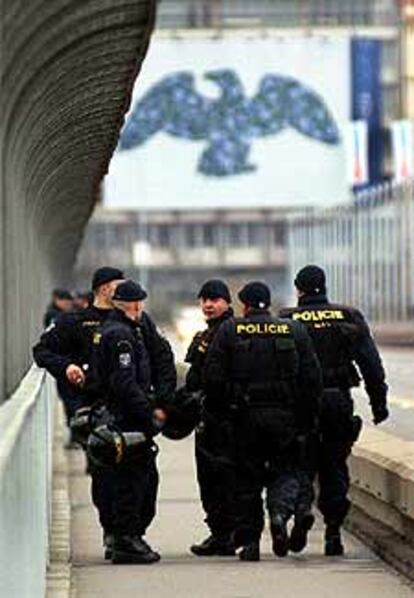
<point>75,337</point>
<point>163,372</point>
<point>342,339</point>
<point>124,370</point>
<point>261,361</point>
<point>197,351</point>
<point>51,315</point>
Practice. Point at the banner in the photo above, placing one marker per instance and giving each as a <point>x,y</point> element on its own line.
<point>403,150</point>
<point>356,140</point>
<point>367,99</point>
<point>240,121</point>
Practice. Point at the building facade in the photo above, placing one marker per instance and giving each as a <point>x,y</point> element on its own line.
<point>173,253</point>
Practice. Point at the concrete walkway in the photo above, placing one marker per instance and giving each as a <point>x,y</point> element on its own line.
<point>181,575</point>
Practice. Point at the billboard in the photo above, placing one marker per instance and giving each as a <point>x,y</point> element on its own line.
<point>238,121</point>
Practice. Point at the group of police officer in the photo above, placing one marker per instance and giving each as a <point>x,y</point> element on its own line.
<point>269,397</point>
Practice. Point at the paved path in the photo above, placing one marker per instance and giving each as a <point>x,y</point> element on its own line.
<point>181,575</point>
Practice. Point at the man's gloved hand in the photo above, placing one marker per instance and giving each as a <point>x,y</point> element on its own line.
<point>380,414</point>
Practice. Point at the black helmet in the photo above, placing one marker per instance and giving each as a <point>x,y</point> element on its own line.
<point>183,414</point>
<point>107,446</point>
<point>87,419</point>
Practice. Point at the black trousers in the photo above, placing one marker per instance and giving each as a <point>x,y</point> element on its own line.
<point>266,457</point>
<point>127,494</point>
<point>334,444</point>
<point>214,454</point>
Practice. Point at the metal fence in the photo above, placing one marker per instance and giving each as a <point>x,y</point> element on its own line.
<point>25,487</point>
<point>276,13</point>
<point>366,248</point>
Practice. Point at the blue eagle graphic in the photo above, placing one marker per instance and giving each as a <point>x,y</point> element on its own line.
<point>230,123</point>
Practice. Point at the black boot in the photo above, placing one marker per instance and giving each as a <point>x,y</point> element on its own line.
<point>333,542</point>
<point>145,543</point>
<point>214,546</point>
<point>279,536</point>
<point>108,542</point>
<point>299,535</point>
<point>251,552</point>
<point>131,550</point>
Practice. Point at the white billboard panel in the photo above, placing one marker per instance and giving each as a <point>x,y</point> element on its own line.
<point>238,121</point>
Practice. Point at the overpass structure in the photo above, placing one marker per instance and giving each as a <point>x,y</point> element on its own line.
<point>67,70</point>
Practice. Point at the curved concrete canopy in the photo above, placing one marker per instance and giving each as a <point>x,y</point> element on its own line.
<point>68,68</point>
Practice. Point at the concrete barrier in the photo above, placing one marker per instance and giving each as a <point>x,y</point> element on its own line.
<point>25,487</point>
<point>382,514</point>
<point>395,334</point>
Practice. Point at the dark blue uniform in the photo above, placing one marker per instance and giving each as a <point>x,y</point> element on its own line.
<point>125,373</point>
<point>75,338</point>
<point>267,372</point>
<point>342,339</point>
<point>213,447</point>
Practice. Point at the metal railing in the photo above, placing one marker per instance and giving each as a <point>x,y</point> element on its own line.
<point>25,487</point>
<point>276,13</point>
<point>366,248</point>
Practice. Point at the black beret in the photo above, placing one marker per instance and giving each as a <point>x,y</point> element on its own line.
<point>105,275</point>
<point>215,289</point>
<point>311,280</point>
<point>256,294</point>
<point>129,291</point>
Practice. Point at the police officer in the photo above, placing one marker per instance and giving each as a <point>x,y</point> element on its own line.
<point>62,302</point>
<point>342,339</point>
<point>124,369</point>
<point>213,435</point>
<point>269,372</point>
<point>68,351</point>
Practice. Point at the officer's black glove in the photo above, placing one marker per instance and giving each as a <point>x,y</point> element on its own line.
<point>380,414</point>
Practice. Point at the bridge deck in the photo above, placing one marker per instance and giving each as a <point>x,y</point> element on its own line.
<point>181,575</point>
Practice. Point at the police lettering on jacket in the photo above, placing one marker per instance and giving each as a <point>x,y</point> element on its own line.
<point>262,328</point>
<point>319,315</point>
